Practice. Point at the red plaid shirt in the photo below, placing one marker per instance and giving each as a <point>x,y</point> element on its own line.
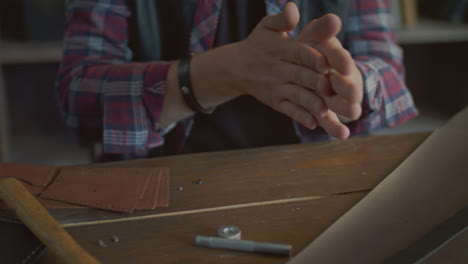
<point>102,91</point>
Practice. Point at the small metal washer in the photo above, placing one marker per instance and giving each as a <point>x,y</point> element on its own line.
<point>229,232</point>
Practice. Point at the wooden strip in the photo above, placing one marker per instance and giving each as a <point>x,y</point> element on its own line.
<point>196,211</point>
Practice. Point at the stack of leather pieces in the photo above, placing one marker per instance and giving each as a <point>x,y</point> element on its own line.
<point>114,189</point>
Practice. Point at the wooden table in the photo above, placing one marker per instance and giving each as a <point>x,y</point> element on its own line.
<point>285,194</point>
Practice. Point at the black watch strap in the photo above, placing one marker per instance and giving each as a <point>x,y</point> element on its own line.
<point>186,87</point>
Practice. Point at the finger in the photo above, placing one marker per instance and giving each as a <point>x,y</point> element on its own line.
<point>347,87</point>
<point>342,107</point>
<point>297,114</point>
<point>304,98</point>
<point>321,29</point>
<point>303,76</point>
<point>320,34</point>
<point>338,57</point>
<point>333,126</point>
<point>302,54</point>
<point>284,21</point>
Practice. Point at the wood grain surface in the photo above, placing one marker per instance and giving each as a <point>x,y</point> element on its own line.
<point>266,174</point>
<point>171,239</point>
<point>304,189</point>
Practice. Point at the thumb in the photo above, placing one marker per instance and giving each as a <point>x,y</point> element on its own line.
<point>284,21</point>
<point>321,29</point>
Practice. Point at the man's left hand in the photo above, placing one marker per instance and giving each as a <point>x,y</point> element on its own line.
<point>345,93</point>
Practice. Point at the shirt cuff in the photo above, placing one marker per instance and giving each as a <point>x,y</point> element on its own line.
<point>154,92</point>
<point>372,100</point>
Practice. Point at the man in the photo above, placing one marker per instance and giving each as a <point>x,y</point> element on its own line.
<point>335,79</point>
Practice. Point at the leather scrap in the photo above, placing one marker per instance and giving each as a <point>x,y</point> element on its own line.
<point>163,194</point>
<point>148,202</point>
<point>52,204</point>
<point>115,189</point>
<point>39,175</point>
<point>33,189</point>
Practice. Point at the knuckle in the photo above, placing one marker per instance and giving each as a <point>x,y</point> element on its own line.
<point>295,75</point>
<point>266,20</point>
<point>311,100</point>
<point>266,100</point>
<point>350,112</point>
<point>296,55</point>
<point>272,101</point>
<point>356,112</point>
<point>265,97</point>
<point>353,95</point>
<point>296,96</point>
<point>309,79</point>
<point>352,90</point>
<point>281,106</point>
<point>315,106</point>
<point>290,109</point>
<point>320,63</point>
<point>320,83</point>
<point>304,77</point>
<point>347,54</point>
<point>300,115</point>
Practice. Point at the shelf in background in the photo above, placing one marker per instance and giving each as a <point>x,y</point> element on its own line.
<point>431,31</point>
<point>31,52</point>
<point>425,32</point>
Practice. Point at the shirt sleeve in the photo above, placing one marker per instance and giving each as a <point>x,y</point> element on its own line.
<point>100,91</point>
<point>370,38</point>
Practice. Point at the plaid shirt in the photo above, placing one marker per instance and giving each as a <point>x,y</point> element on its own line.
<point>102,91</point>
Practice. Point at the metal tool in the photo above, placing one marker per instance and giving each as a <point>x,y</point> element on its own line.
<point>244,245</point>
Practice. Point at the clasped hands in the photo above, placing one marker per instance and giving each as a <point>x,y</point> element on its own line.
<point>311,79</point>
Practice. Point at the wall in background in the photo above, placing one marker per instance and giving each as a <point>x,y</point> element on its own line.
<point>437,75</point>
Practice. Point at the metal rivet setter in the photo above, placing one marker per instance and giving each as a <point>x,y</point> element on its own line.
<point>244,245</point>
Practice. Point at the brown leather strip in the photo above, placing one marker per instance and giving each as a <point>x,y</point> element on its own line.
<point>40,175</point>
<point>115,189</point>
<point>163,194</point>
<point>33,189</point>
<point>52,204</point>
<point>148,202</point>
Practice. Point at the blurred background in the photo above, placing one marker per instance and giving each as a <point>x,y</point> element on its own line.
<point>433,34</point>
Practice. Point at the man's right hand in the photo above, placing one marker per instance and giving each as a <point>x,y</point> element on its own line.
<point>277,70</point>
<point>284,73</point>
